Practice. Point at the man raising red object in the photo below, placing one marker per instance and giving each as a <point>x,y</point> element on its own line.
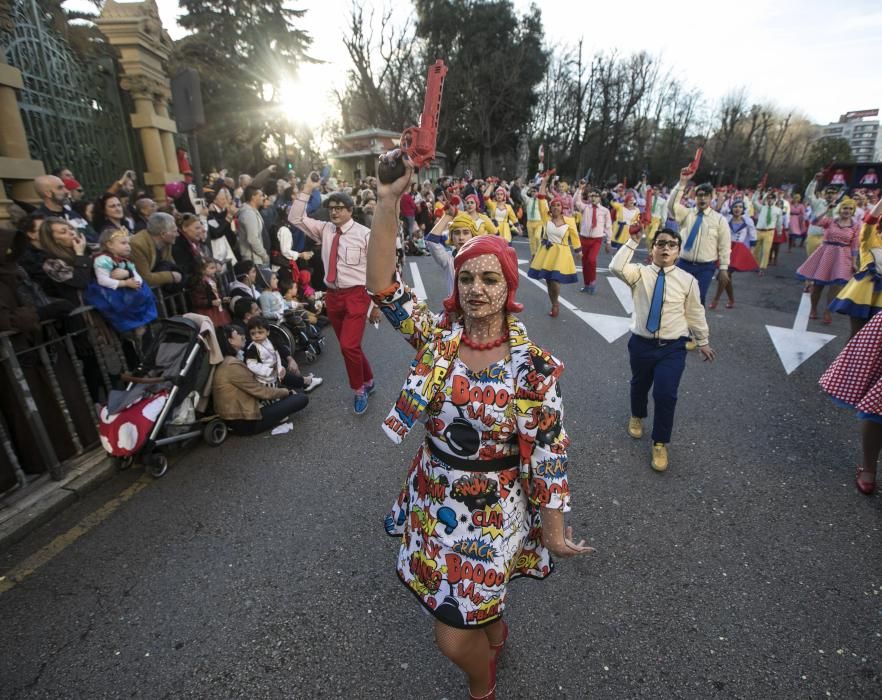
<point>596,229</point>
<point>344,245</point>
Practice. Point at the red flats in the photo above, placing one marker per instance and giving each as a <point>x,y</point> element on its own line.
<point>555,310</point>
<point>730,304</point>
<point>864,487</point>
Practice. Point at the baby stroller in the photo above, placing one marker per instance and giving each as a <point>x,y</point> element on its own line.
<point>306,336</point>
<point>166,397</point>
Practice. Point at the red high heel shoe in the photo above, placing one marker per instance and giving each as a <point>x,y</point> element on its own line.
<point>863,486</point>
<point>497,648</point>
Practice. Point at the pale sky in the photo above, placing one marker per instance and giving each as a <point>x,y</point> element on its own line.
<point>816,56</point>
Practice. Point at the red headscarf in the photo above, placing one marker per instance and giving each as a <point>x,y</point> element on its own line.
<point>508,259</point>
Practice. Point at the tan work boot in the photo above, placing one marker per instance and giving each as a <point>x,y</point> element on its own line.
<point>659,456</point>
<point>635,427</point>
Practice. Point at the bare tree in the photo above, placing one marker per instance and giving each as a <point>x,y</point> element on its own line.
<point>384,89</point>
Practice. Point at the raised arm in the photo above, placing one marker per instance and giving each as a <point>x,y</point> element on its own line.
<point>675,209</point>
<point>621,265</point>
<point>384,230</point>
<point>297,216</point>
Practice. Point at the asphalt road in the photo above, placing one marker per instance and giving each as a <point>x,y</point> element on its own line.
<point>751,569</point>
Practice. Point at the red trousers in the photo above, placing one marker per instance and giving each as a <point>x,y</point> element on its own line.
<point>347,311</point>
<point>590,251</point>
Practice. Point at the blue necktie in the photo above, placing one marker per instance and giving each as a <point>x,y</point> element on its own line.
<point>653,321</point>
<point>696,227</point>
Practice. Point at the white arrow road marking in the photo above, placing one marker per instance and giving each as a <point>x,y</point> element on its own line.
<point>796,345</point>
<point>623,292</point>
<point>610,327</point>
<point>418,287</point>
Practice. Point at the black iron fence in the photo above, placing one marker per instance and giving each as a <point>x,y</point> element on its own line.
<point>74,112</point>
<point>51,383</point>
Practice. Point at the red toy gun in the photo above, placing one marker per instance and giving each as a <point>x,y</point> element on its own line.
<point>693,166</point>
<point>418,143</point>
<point>646,214</point>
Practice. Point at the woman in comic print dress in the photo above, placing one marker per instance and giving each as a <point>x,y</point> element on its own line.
<point>484,498</point>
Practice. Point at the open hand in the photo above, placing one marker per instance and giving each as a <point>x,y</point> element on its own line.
<point>707,353</point>
<point>565,546</point>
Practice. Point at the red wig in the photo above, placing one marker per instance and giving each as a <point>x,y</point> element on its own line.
<point>474,198</point>
<point>508,260</point>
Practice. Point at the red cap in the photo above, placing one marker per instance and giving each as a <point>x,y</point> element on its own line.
<point>71,184</point>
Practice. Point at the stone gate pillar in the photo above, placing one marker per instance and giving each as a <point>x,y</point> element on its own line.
<point>17,169</point>
<point>135,30</point>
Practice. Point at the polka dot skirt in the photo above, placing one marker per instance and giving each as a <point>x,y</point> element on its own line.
<point>855,377</point>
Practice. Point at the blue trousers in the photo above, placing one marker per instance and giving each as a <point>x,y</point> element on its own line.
<point>656,365</point>
<point>703,272</point>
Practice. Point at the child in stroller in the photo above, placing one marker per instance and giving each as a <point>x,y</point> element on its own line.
<point>166,398</point>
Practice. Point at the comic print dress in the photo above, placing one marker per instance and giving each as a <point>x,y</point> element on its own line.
<point>466,532</point>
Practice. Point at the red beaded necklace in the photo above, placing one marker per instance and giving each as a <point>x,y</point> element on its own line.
<point>483,346</point>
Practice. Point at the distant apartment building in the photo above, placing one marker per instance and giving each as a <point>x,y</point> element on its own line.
<point>861,130</point>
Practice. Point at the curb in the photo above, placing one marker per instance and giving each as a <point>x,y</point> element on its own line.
<point>42,502</point>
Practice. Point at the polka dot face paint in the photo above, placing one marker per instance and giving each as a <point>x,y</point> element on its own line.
<point>482,287</point>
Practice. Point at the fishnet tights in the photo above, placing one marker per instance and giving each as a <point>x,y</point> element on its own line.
<point>470,650</point>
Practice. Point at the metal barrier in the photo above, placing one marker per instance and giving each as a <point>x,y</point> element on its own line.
<point>49,408</point>
<point>168,305</point>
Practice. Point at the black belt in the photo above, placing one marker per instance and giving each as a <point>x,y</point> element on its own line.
<point>659,342</point>
<point>474,465</point>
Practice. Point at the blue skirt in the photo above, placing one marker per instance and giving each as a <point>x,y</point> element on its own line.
<point>125,308</point>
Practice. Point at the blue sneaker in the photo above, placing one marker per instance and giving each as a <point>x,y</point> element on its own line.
<point>361,402</point>
<point>369,387</point>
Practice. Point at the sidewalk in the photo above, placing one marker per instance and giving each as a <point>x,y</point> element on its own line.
<point>43,499</point>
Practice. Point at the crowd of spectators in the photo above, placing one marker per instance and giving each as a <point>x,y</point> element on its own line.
<point>229,253</point>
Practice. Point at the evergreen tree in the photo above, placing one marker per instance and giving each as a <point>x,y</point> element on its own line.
<point>246,51</point>
<point>497,63</point>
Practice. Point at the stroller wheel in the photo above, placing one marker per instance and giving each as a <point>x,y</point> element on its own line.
<point>158,465</point>
<point>123,463</point>
<point>309,356</point>
<point>215,432</point>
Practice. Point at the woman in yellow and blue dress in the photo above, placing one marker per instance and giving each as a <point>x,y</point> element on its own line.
<point>861,298</point>
<point>553,261</point>
<point>625,216</point>
<point>501,212</point>
<point>484,499</point>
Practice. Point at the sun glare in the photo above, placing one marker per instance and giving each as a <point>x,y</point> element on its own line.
<point>308,99</point>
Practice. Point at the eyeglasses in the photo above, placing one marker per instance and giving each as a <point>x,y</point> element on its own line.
<point>666,244</point>
<point>336,207</point>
